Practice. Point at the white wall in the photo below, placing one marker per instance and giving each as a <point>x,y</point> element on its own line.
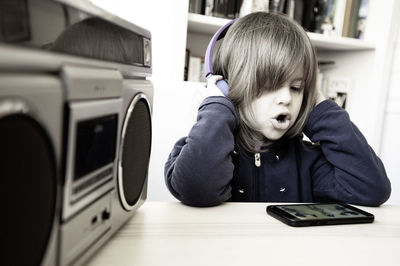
<point>391,129</point>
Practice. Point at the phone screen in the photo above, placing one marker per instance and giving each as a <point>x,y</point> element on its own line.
<point>320,211</point>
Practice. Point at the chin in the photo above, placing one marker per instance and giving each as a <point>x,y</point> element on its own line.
<point>273,135</point>
<point>274,138</point>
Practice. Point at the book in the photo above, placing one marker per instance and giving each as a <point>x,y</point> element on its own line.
<point>197,6</point>
<point>328,25</point>
<point>186,67</point>
<point>298,11</point>
<point>196,69</point>
<point>231,9</point>
<point>308,19</point>
<point>362,19</point>
<point>238,5</point>
<point>319,16</point>
<point>277,6</point>
<point>347,18</point>
<point>208,7</point>
<point>220,8</point>
<point>338,19</point>
<point>289,8</point>
<point>354,19</point>
<point>226,8</point>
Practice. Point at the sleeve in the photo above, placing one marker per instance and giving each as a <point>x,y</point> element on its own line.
<point>349,170</point>
<point>199,168</point>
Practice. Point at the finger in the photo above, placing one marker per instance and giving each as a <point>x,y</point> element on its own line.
<point>214,78</point>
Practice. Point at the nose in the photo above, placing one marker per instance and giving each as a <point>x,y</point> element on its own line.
<point>283,96</point>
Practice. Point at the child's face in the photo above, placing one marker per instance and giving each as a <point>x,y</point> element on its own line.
<point>275,112</point>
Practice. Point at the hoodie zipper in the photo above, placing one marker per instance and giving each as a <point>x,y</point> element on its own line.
<point>257,162</point>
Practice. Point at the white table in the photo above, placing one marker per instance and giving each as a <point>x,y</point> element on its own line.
<point>243,234</point>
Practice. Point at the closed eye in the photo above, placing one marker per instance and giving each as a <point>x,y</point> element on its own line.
<point>295,88</point>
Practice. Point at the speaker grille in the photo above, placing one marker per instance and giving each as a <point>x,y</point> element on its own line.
<point>29,188</point>
<point>135,155</point>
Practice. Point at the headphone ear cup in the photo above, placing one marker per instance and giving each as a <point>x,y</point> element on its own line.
<point>223,86</point>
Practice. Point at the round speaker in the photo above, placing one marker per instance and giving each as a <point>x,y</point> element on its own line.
<point>134,153</point>
<point>29,188</point>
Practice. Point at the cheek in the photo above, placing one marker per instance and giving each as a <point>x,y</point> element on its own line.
<point>259,114</point>
<point>261,107</point>
<point>298,100</point>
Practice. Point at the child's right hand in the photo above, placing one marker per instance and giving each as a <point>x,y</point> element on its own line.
<point>210,89</point>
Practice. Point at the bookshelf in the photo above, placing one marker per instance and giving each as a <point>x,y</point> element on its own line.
<point>207,25</point>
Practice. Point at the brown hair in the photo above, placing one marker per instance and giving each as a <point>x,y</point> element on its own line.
<point>259,53</point>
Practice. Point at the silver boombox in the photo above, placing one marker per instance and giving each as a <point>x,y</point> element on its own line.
<point>75,128</point>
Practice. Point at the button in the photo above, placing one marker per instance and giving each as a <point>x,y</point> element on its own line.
<point>277,157</point>
<point>105,215</point>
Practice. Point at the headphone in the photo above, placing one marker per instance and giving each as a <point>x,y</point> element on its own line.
<point>223,83</point>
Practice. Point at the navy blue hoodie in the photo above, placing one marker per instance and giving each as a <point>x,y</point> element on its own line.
<point>208,167</point>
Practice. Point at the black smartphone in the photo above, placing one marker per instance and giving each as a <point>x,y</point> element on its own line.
<point>319,214</point>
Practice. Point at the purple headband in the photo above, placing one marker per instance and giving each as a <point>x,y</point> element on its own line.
<point>210,49</point>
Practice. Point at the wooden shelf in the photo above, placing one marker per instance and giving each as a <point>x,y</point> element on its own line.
<point>209,25</point>
<point>333,43</point>
<point>205,24</point>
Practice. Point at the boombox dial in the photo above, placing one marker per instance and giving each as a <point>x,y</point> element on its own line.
<point>134,151</point>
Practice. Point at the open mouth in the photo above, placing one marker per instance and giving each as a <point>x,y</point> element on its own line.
<point>281,118</point>
<point>281,121</point>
